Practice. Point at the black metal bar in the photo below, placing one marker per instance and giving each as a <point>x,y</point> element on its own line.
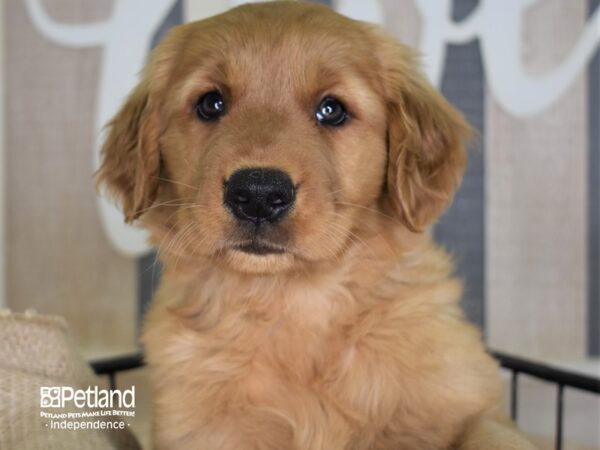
<point>118,364</point>
<point>559,417</point>
<point>112,380</point>
<point>514,395</point>
<point>513,363</point>
<point>549,373</point>
<point>516,365</point>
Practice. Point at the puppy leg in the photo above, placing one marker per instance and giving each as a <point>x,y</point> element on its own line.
<point>494,434</point>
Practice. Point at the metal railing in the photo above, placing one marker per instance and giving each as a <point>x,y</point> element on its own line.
<point>111,366</point>
<point>562,378</point>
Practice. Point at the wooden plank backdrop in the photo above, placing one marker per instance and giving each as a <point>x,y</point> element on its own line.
<point>537,203</point>
<point>58,259</point>
<point>593,234</point>
<point>526,196</point>
<point>2,166</point>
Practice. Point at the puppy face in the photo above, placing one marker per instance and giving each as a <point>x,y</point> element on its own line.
<point>265,137</point>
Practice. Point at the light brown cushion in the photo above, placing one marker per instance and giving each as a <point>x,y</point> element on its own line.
<point>37,351</point>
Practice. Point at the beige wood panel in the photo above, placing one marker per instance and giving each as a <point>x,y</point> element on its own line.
<point>58,260</point>
<point>402,21</point>
<point>194,10</point>
<point>2,103</point>
<point>536,210</point>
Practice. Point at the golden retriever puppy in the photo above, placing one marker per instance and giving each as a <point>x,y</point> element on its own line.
<point>288,162</point>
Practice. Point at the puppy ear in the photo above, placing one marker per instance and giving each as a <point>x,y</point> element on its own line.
<point>427,138</point>
<point>131,159</point>
<point>130,155</point>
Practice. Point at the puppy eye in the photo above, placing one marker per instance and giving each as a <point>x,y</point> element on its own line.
<point>210,106</point>
<point>331,112</point>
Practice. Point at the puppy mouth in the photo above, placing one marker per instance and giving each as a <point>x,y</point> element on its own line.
<point>263,240</point>
<point>255,247</point>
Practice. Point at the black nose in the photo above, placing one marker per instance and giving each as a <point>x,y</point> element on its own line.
<point>259,195</point>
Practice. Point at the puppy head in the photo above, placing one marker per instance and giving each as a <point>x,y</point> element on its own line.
<point>264,138</point>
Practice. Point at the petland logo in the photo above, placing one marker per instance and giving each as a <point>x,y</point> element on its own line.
<point>92,397</point>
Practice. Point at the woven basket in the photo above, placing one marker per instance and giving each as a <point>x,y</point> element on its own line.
<point>37,351</point>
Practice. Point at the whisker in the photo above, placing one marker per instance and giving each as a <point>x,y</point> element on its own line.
<point>353,238</point>
<point>166,203</point>
<point>388,245</point>
<point>176,238</point>
<point>372,210</point>
<point>329,235</point>
<point>356,238</point>
<point>178,183</point>
<point>185,239</point>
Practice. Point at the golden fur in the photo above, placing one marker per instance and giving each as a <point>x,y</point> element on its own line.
<point>352,338</point>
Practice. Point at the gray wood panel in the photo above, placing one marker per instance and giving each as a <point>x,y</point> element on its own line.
<point>58,258</point>
<point>536,177</point>
<point>462,229</point>
<point>594,200</point>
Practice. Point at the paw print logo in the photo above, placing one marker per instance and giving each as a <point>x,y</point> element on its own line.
<point>50,397</point>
